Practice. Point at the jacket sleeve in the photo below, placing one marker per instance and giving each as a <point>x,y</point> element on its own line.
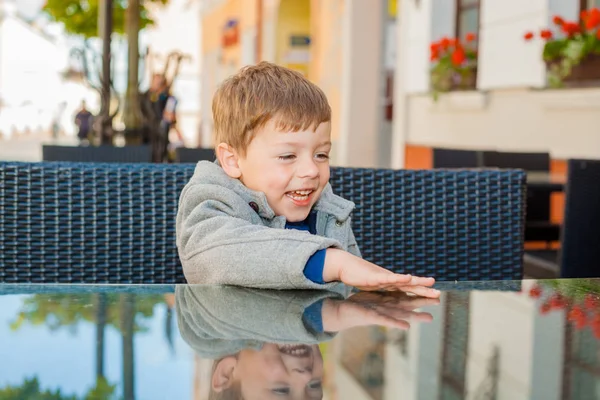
<point>224,242</point>
<point>352,245</point>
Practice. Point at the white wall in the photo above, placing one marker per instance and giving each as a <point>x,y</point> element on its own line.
<point>417,28</point>
<point>561,122</point>
<point>505,58</point>
<point>360,113</point>
<point>513,110</point>
<point>530,358</point>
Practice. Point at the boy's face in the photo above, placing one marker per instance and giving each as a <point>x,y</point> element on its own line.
<point>280,372</point>
<point>291,168</point>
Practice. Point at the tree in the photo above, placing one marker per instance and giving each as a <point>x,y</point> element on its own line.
<point>30,390</point>
<point>80,17</point>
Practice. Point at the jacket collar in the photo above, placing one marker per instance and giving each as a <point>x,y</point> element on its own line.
<point>328,203</point>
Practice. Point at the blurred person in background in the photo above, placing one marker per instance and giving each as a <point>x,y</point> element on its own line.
<point>83,121</point>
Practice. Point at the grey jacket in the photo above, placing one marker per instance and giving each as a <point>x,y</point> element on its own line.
<point>221,239</point>
<point>217,321</point>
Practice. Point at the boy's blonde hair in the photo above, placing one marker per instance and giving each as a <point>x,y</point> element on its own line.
<point>249,99</point>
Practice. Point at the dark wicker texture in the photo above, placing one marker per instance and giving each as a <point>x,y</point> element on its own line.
<point>450,224</point>
<point>115,223</point>
<point>189,155</point>
<point>112,154</point>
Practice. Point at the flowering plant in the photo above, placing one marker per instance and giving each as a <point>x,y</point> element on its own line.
<point>579,298</point>
<point>454,64</point>
<point>576,41</point>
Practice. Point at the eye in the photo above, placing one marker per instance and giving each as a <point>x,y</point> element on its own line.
<point>282,391</point>
<point>315,385</point>
<point>286,157</point>
<point>322,156</point>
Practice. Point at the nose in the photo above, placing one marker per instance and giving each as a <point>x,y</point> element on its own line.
<point>303,370</point>
<point>308,168</point>
<point>302,375</point>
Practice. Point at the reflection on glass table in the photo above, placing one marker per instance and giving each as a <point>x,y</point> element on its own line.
<point>488,340</point>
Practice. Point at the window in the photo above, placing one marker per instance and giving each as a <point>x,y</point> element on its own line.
<point>589,4</point>
<point>467,21</point>
<point>467,17</point>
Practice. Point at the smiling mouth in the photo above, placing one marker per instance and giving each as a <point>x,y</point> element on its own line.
<point>295,350</point>
<point>300,195</point>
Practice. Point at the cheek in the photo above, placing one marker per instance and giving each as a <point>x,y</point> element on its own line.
<point>325,174</point>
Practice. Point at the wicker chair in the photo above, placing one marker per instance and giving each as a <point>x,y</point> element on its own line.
<point>115,223</point>
<point>112,154</point>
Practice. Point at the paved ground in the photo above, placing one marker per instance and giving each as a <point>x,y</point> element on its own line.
<point>27,147</point>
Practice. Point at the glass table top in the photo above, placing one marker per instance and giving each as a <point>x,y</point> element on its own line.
<point>482,340</point>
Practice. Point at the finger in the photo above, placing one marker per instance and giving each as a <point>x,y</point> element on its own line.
<point>405,315</point>
<point>421,291</point>
<point>421,316</point>
<point>384,279</point>
<point>375,318</point>
<point>420,281</point>
<point>412,303</point>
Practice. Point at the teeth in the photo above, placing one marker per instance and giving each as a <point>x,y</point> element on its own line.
<point>303,192</point>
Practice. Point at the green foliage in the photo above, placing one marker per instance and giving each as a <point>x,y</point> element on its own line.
<point>66,310</point>
<point>80,17</point>
<point>454,65</point>
<point>575,289</point>
<point>561,55</point>
<point>30,390</point>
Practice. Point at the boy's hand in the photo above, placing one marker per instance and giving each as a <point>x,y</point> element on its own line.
<point>354,271</point>
<point>368,308</point>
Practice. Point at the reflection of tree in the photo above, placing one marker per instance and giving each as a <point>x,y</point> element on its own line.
<point>124,312</point>
<point>30,390</point>
<point>67,310</point>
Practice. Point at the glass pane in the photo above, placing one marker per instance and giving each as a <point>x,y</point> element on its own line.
<point>466,3</point>
<point>469,21</point>
<point>593,4</point>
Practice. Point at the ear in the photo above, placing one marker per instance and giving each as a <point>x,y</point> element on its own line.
<point>228,158</point>
<point>222,378</point>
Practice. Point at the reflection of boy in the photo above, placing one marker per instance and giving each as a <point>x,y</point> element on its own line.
<point>265,215</point>
<point>264,343</point>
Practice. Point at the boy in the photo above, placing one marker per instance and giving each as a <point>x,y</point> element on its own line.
<point>264,215</point>
<point>264,343</point>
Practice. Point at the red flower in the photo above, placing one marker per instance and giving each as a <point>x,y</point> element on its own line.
<point>583,15</point>
<point>576,313</point>
<point>571,28</point>
<point>470,37</point>
<point>458,56</point>
<point>445,43</point>
<point>590,302</point>
<point>592,19</point>
<point>435,51</point>
<point>528,36</point>
<point>558,20</point>
<point>545,308</point>
<point>546,34</point>
<point>557,301</point>
<point>535,292</point>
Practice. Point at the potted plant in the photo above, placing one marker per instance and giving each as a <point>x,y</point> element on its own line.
<point>454,64</point>
<point>579,298</point>
<point>574,53</point>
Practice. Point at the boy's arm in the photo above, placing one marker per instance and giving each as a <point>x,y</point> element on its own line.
<point>218,247</point>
